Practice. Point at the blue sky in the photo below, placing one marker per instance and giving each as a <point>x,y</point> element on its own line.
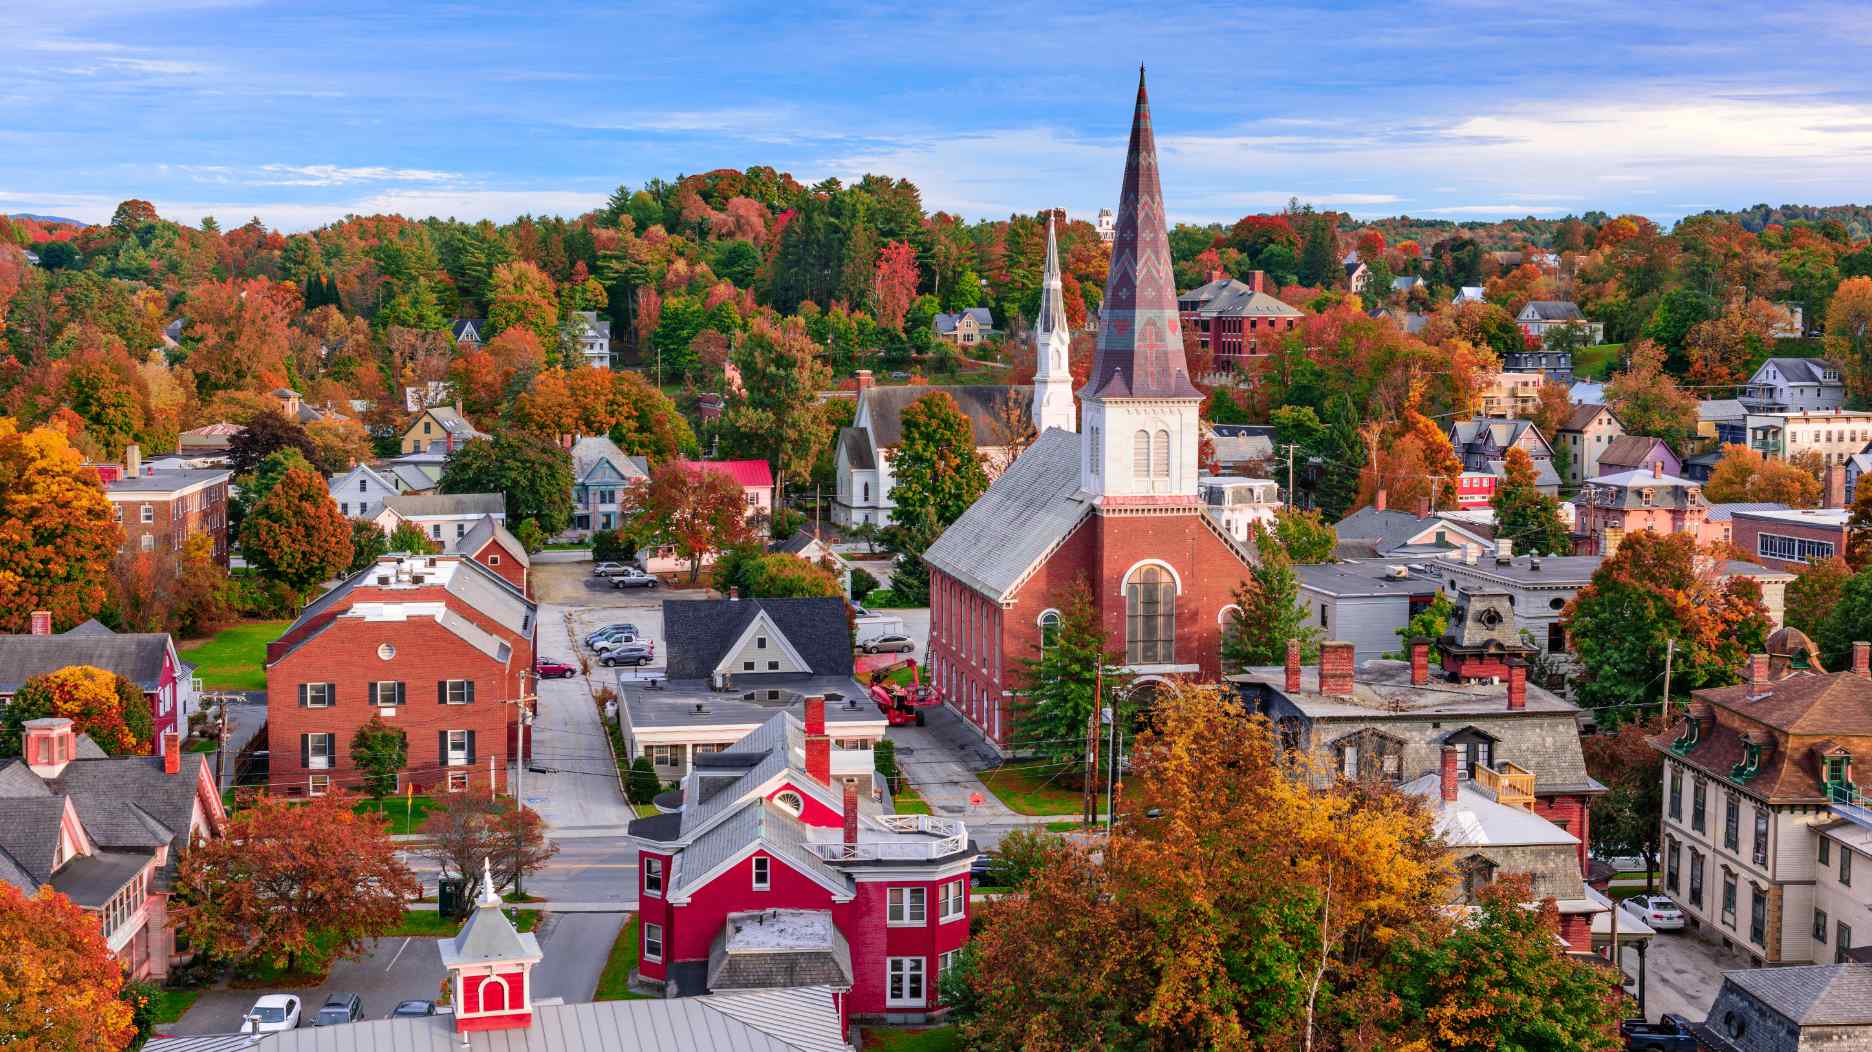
<point>302,112</point>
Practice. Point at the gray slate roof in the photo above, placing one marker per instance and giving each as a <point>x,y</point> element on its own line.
<point>166,481</point>
<point>798,1019</point>
<point>698,633</point>
<point>779,833</point>
<point>416,505</point>
<point>592,450</point>
<point>1227,297</point>
<point>29,831</point>
<point>674,705</point>
<point>137,657</point>
<point>856,442</point>
<point>946,322</point>
<point>1803,370</point>
<point>981,403</point>
<point>1022,517</point>
<point>1812,995</point>
<point>1390,529</point>
<point>1552,310</point>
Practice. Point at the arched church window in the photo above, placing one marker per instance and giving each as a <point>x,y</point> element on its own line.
<point>1160,455</point>
<point>1150,616</point>
<point>1049,629</point>
<point>1141,454</point>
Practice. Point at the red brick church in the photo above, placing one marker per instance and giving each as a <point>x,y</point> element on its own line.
<point>1113,503</point>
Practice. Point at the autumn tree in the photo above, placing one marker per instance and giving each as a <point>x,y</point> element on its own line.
<point>368,541</point>
<point>1062,679</point>
<point>1849,621</point>
<point>1267,612</point>
<point>110,709</point>
<point>290,880</point>
<point>469,828</point>
<point>338,444</point>
<point>1723,349</point>
<point>182,593</point>
<point>489,376</point>
<point>1745,475</point>
<point>1625,816</point>
<point>938,474</point>
<point>533,475</point>
<point>1660,587</point>
<point>1849,332</point>
<point>1814,592</point>
<point>409,539</point>
<point>56,530</point>
<point>62,984</point>
<point>521,296</point>
<point>620,404</point>
<point>1647,401</point>
<point>240,331</point>
<point>1525,515</point>
<point>295,535</point>
<point>380,752</point>
<point>895,284</point>
<point>778,415</point>
<point>696,510</point>
<point>263,435</point>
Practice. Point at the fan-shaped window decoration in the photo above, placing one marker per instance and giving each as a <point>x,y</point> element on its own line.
<point>790,802</point>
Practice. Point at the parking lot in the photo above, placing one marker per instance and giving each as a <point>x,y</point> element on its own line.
<point>392,970</point>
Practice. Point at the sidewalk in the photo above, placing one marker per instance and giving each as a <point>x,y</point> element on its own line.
<point>550,907</point>
<point>935,760</point>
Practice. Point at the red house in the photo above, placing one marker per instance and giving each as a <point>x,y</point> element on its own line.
<point>1113,508</point>
<point>147,659</point>
<point>439,646</point>
<point>773,875</point>
<point>489,543</point>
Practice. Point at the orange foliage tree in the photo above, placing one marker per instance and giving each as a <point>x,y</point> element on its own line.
<point>242,333</point>
<point>104,705</point>
<point>1745,475</point>
<point>56,531</point>
<point>639,418</point>
<point>60,985</point>
<point>895,284</point>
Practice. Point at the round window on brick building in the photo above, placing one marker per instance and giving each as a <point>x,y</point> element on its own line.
<point>1556,604</point>
<point>386,651</point>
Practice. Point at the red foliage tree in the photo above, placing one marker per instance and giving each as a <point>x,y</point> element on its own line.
<point>895,284</point>
<point>62,984</point>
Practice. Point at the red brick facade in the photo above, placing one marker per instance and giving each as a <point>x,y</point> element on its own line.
<point>976,645</point>
<point>154,522</point>
<point>1787,539</point>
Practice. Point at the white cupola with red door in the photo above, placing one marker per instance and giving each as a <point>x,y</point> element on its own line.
<point>490,967</point>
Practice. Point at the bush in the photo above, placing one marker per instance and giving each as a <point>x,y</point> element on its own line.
<point>884,758</point>
<point>642,784</point>
<point>862,584</point>
<point>1023,853</point>
<point>787,522</point>
<point>612,547</point>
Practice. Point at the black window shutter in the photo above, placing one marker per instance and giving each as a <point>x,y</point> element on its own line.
<point>399,692</point>
<point>331,695</point>
<point>441,692</point>
<point>373,693</point>
<point>305,747</point>
<point>442,747</point>
<point>302,695</point>
<point>471,692</point>
<point>471,751</point>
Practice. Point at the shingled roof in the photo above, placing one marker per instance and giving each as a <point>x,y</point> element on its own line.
<point>982,403</point>
<point>698,633</point>
<point>136,656</point>
<point>1806,705</point>
<point>1023,516</point>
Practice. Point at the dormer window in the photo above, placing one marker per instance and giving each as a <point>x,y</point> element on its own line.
<point>1687,737</point>
<point>1750,764</point>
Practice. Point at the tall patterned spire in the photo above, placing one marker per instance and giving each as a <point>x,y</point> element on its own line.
<point>1140,345</point>
<point>1052,393</point>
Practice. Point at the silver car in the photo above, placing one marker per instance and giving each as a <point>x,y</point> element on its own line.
<point>1658,912</point>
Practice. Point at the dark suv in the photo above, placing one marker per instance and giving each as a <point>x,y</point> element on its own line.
<point>340,1008</point>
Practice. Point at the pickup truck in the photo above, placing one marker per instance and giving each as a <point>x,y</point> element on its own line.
<point>1670,1034</point>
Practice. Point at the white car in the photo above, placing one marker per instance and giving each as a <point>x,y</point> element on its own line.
<point>608,569</point>
<point>1657,911</point>
<point>273,1013</point>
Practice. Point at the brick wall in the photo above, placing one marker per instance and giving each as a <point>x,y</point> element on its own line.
<point>174,519</point>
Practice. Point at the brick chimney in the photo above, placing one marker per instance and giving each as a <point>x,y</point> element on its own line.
<point>1758,674</point>
<point>133,460</point>
<point>1378,500</point>
<point>1256,280</point>
<point>42,622</point>
<point>1420,662</point>
<point>1292,682</point>
<point>1447,774</point>
<point>1862,659</point>
<point>865,382</point>
<point>172,752</point>
<point>1614,536</point>
<point>1834,495</point>
<point>1335,669</point>
<point>1517,685</point>
<point>1423,505</point>
<point>818,746</point>
<point>851,813</point>
<point>1215,274</point>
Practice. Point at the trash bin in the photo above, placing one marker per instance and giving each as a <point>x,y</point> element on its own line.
<point>449,896</point>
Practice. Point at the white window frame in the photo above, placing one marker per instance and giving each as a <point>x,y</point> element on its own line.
<point>324,693</point>
<point>908,907</point>
<point>456,693</point>
<point>653,877</point>
<point>454,752</point>
<point>653,935</point>
<point>946,962</point>
<point>762,870</point>
<point>1793,549</point>
<point>458,781</point>
<point>318,784</point>
<point>315,739</point>
<point>147,542</point>
<point>661,755</point>
<point>951,902</point>
<point>909,970</point>
<point>148,514</point>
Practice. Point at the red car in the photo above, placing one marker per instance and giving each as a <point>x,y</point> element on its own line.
<point>554,670</point>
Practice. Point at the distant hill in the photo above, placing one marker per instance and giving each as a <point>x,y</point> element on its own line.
<point>48,219</point>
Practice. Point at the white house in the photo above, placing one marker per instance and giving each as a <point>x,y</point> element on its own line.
<point>444,517</point>
<point>1540,317</point>
<point>360,492</point>
<point>1241,505</point>
<point>862,459</point>
<point>1788,385</point>
<point>592,334</point>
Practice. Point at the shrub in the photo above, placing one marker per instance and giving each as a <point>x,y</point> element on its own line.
<point>884,757</point>
<point>1022,854</point>
<point>862,584</point>
<point>642,782</point>
<point>612,547</point>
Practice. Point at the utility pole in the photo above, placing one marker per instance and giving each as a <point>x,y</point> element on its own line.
<point>1092,735</point>
<point>1670,651</point>
<point>1111,773</point>
<point>221,753</point>
<point>1290,475</point>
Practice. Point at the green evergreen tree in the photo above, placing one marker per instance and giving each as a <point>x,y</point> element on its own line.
<point>1058,691</point>
<point>379,751</point>
<point>642,781</point>
<point>1342,458</point>
<point>1525,515</point>
<point>1267,612</point>
<point>938,474</point>
<point>1319,256</point>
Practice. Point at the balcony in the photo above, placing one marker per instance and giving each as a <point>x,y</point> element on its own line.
<point>1512,785</point>
<point>1845,800</point>
<point>908,838</point>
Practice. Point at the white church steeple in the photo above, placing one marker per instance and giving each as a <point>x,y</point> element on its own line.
<point>1052,396</point>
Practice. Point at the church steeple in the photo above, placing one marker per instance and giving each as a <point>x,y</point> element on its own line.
<point>1139,410</point>
<point>1052,395</point>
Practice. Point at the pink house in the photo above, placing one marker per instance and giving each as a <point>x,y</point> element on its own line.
<point>753,476</point>
<point>1610,507</point>
<point>773,873</point>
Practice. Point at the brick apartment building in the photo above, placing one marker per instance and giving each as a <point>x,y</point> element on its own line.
<point>1788,538</point>
<point>441,647</point>
<point>778,872</point>
<point>1237,319</point>
<point>160,510</point>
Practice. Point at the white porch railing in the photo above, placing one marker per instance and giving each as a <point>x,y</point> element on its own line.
<point>937,838</point>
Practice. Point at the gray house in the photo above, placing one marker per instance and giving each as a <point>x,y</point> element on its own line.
<point>1538,588</point>
<point>1365,603</point>
<point>360,492</point>
<point>1792,385</point>
<point>1821,1006</point>
<point>601,473</point>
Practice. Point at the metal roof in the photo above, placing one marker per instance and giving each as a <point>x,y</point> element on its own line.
<point>1021,518</point>
<point>419,505</point>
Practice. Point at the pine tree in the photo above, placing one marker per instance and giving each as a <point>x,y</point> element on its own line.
<point>1343,455</point>
<point>1525,515</point>
<point>1268,612</point>
<point>938,474</point>
<point>1058,692</point>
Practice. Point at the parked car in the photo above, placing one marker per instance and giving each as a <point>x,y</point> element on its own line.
<point>274,1013</point>
<point>1670,1034</point>
<point>631,652</point>
<point>632,577</point>
<point>892,644</point>
<point>412,1009</point>
<point>340,1008</point>
<point>613,641</point>
<point>621,628</point>
<point>1657,911</point>
<point>608,569</point>
<point>546,668</point>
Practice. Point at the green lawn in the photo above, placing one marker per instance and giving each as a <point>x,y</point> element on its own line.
<point>909,801</point>
<point>235,657</point>
<point>1032,789</point>
<point>1595,363</point>
<point>167,1006</point>
<point>928,1039</point>
<point>430,924</point>
<point>405,816</point>
<point>646,810</point>
<point>614,984</point>
<point>1069,825</point>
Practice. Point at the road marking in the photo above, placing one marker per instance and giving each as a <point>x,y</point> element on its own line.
<point>590,865</point>
<point>399,953</point>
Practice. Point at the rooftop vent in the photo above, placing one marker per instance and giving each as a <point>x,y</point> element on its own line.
<point>1398,573</point>
<point>383,579</point>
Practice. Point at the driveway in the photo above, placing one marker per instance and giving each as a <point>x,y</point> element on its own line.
<point>570,778</point>
<point>574,948</point>
<point>940,760</point>
<point>1683,972</point>
<point>391,970</point>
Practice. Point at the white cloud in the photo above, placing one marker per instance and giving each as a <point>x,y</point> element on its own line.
<point>335,175</point>
<point>293,216</point>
